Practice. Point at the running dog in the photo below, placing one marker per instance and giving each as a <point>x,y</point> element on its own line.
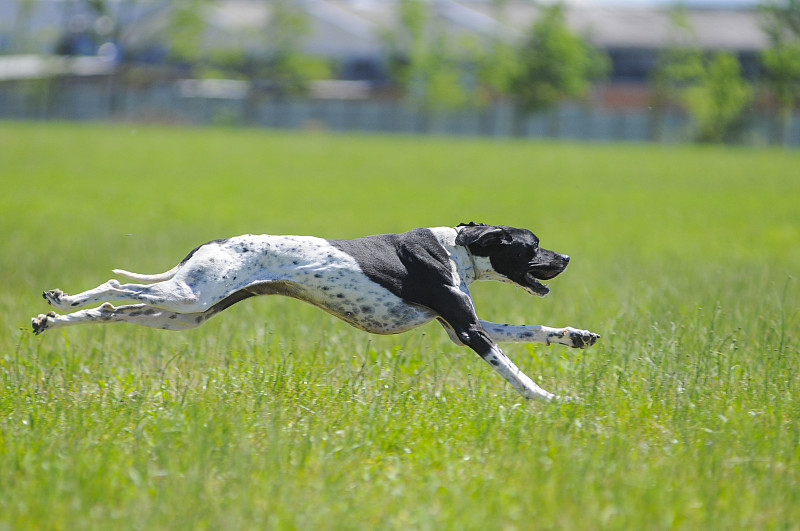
<point>383,284</point>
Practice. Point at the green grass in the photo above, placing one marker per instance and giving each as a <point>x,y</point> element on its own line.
<point>276,415</point>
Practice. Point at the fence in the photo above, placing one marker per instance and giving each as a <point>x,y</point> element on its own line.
<point>71,98</point>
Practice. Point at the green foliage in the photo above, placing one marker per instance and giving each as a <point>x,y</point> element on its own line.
<point>782,62</point>
<point>782,18</point>
<point>405,46</point>
<point>276,415</point>
<point>291,73</point>
<point>186,27</point>
<point>496,66</point>
<point>680,64</point>
<point>21,32</point>
<point>287,67</point>
<point>718,98</point>
<point>554,63</point>
<point>223,63</point>
<point>423,60</point>
<point>782,59</point>
<point>98,6</point>
<point>709,85</point>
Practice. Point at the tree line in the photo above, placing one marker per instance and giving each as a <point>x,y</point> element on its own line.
<point>439,71</point>
<point>552,63</point>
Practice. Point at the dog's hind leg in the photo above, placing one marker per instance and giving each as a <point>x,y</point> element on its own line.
<point>140,314</point>
<point>170,294</point>
<point>571,337</point>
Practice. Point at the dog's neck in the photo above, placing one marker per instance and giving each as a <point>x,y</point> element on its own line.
<point>468,266</point>
<point>472,267</point>
<point>468,269</point>
<point>483,270</point>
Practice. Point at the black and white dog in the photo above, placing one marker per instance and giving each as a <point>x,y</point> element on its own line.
<point>382,284</point>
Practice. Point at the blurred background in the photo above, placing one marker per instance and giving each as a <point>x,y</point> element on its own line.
<point>706,71</point>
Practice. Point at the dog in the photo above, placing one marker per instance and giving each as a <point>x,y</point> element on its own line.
<point>383,284</point>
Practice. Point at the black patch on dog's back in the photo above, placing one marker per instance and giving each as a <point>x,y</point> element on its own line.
<point>412,265</point>
<point>191,253</point>
<point>415,267</point>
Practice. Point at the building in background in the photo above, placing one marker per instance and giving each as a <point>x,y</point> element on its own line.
<point>350,35</point>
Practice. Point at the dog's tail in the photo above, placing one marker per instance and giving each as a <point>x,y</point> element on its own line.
<point>148,278</point>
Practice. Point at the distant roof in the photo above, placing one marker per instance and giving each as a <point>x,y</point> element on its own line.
<point>16,67</point>
<point>727,25</point>
<point>694,4</point>
<point>342,28</point>
<point>718,24</point>
<point>731,29</point>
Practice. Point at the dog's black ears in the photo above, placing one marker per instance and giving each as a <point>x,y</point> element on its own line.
<point>481,234</point>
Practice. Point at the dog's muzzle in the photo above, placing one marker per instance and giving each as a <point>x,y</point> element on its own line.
<point>538,272</point>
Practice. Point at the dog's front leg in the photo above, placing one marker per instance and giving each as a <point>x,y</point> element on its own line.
<point>518,379</point>
<point>571,337</point>
<point>457,315</point>
<point>476,338</point>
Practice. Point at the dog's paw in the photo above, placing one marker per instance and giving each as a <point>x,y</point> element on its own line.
<point>57,299</point>
<point>43,322</point>
<point>580,338</point>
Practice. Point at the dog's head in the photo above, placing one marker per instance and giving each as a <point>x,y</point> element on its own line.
<point>514,254</point>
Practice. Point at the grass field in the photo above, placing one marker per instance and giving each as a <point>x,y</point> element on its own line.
<point>276,415</point>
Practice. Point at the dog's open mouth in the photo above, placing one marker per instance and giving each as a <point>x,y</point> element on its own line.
<point>534,286</point>
<point>540,272</point>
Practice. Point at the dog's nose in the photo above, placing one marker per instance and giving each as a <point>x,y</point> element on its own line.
<point>565,257</point>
